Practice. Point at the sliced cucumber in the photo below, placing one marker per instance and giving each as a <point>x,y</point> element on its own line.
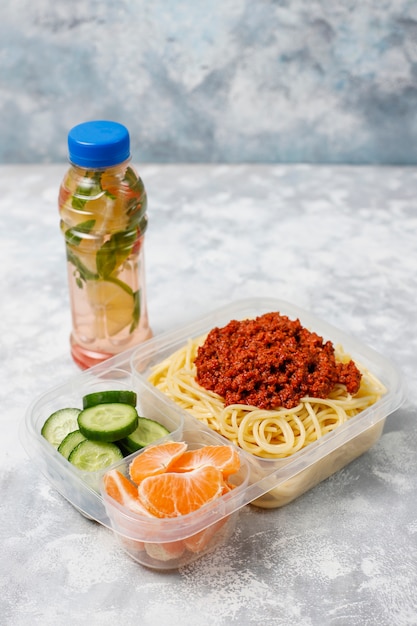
<point>92,456</point>
<point>104,397</point>
<point>59,424</point>
<point>108,422</point>
<point>146,432</point>
<point>69,442</point>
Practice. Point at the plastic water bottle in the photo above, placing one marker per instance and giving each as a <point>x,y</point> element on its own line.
<point>102,204</point>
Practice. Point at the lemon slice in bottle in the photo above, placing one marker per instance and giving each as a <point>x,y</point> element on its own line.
<point>110,214</point>
<point>112,306</point>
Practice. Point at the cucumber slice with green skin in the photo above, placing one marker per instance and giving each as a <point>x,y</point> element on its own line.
<point>147,431</point>
<point>104,397</point>
<point>108,422</point>
<point>59,424</point>
<point>69,442</point>
<point>92,456</point>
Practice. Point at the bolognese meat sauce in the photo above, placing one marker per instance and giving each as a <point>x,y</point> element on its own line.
<point>270,361</point>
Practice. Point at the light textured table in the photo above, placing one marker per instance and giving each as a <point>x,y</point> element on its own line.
<point>339,241</point>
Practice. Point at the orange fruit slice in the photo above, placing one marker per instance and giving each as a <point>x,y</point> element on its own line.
<point>201,540</point>
<point>173,494</point>
<point>225,458</point>
<point>155,460</point>
<point>120,488</point>
<point>165,551</point>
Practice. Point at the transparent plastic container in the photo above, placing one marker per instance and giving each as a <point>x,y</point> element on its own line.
<point>169,543</point>
<point>82,488</point>
<point>276,482</point>
<point>102,204</point>
<point>267,483</point>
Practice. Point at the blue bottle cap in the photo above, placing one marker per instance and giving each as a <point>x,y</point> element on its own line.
<point>98,144</point>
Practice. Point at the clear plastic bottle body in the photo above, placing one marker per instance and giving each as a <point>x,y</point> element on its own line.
<point>103,220</point>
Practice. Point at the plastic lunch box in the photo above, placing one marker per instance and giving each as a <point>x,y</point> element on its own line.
<point>170,543</point>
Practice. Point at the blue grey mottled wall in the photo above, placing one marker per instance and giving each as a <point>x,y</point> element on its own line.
<point>213,81</point>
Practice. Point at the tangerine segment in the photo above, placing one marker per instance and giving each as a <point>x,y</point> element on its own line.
<point>173,494</point>
<point>165,551</point>
<point>225,458</point>
<point>201,540</point>
<point>156,460</point>
<point>227,487</point>
<point>119,488</point>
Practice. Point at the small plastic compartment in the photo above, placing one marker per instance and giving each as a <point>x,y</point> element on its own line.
<point>168,543</point>
<point>276,482</point>
<point>82,488</point>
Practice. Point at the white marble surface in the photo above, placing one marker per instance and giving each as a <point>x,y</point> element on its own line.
<point>340,241</point>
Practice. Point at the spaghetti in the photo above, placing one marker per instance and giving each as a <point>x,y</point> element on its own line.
<point>265,433</point>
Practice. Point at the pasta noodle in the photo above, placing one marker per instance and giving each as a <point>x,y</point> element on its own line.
<point>268,434</point>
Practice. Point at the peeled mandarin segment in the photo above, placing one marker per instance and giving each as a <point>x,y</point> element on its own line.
<point>228,487</point>
<point>165,551</point>
<point>201,540</point>
<point>173,494</point>
<point>119,488</point>
<point>225,458</point>
<point>113,307</point>
<point>156,460</point>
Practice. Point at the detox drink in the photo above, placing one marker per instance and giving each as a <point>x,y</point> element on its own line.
<point>102,204</point>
